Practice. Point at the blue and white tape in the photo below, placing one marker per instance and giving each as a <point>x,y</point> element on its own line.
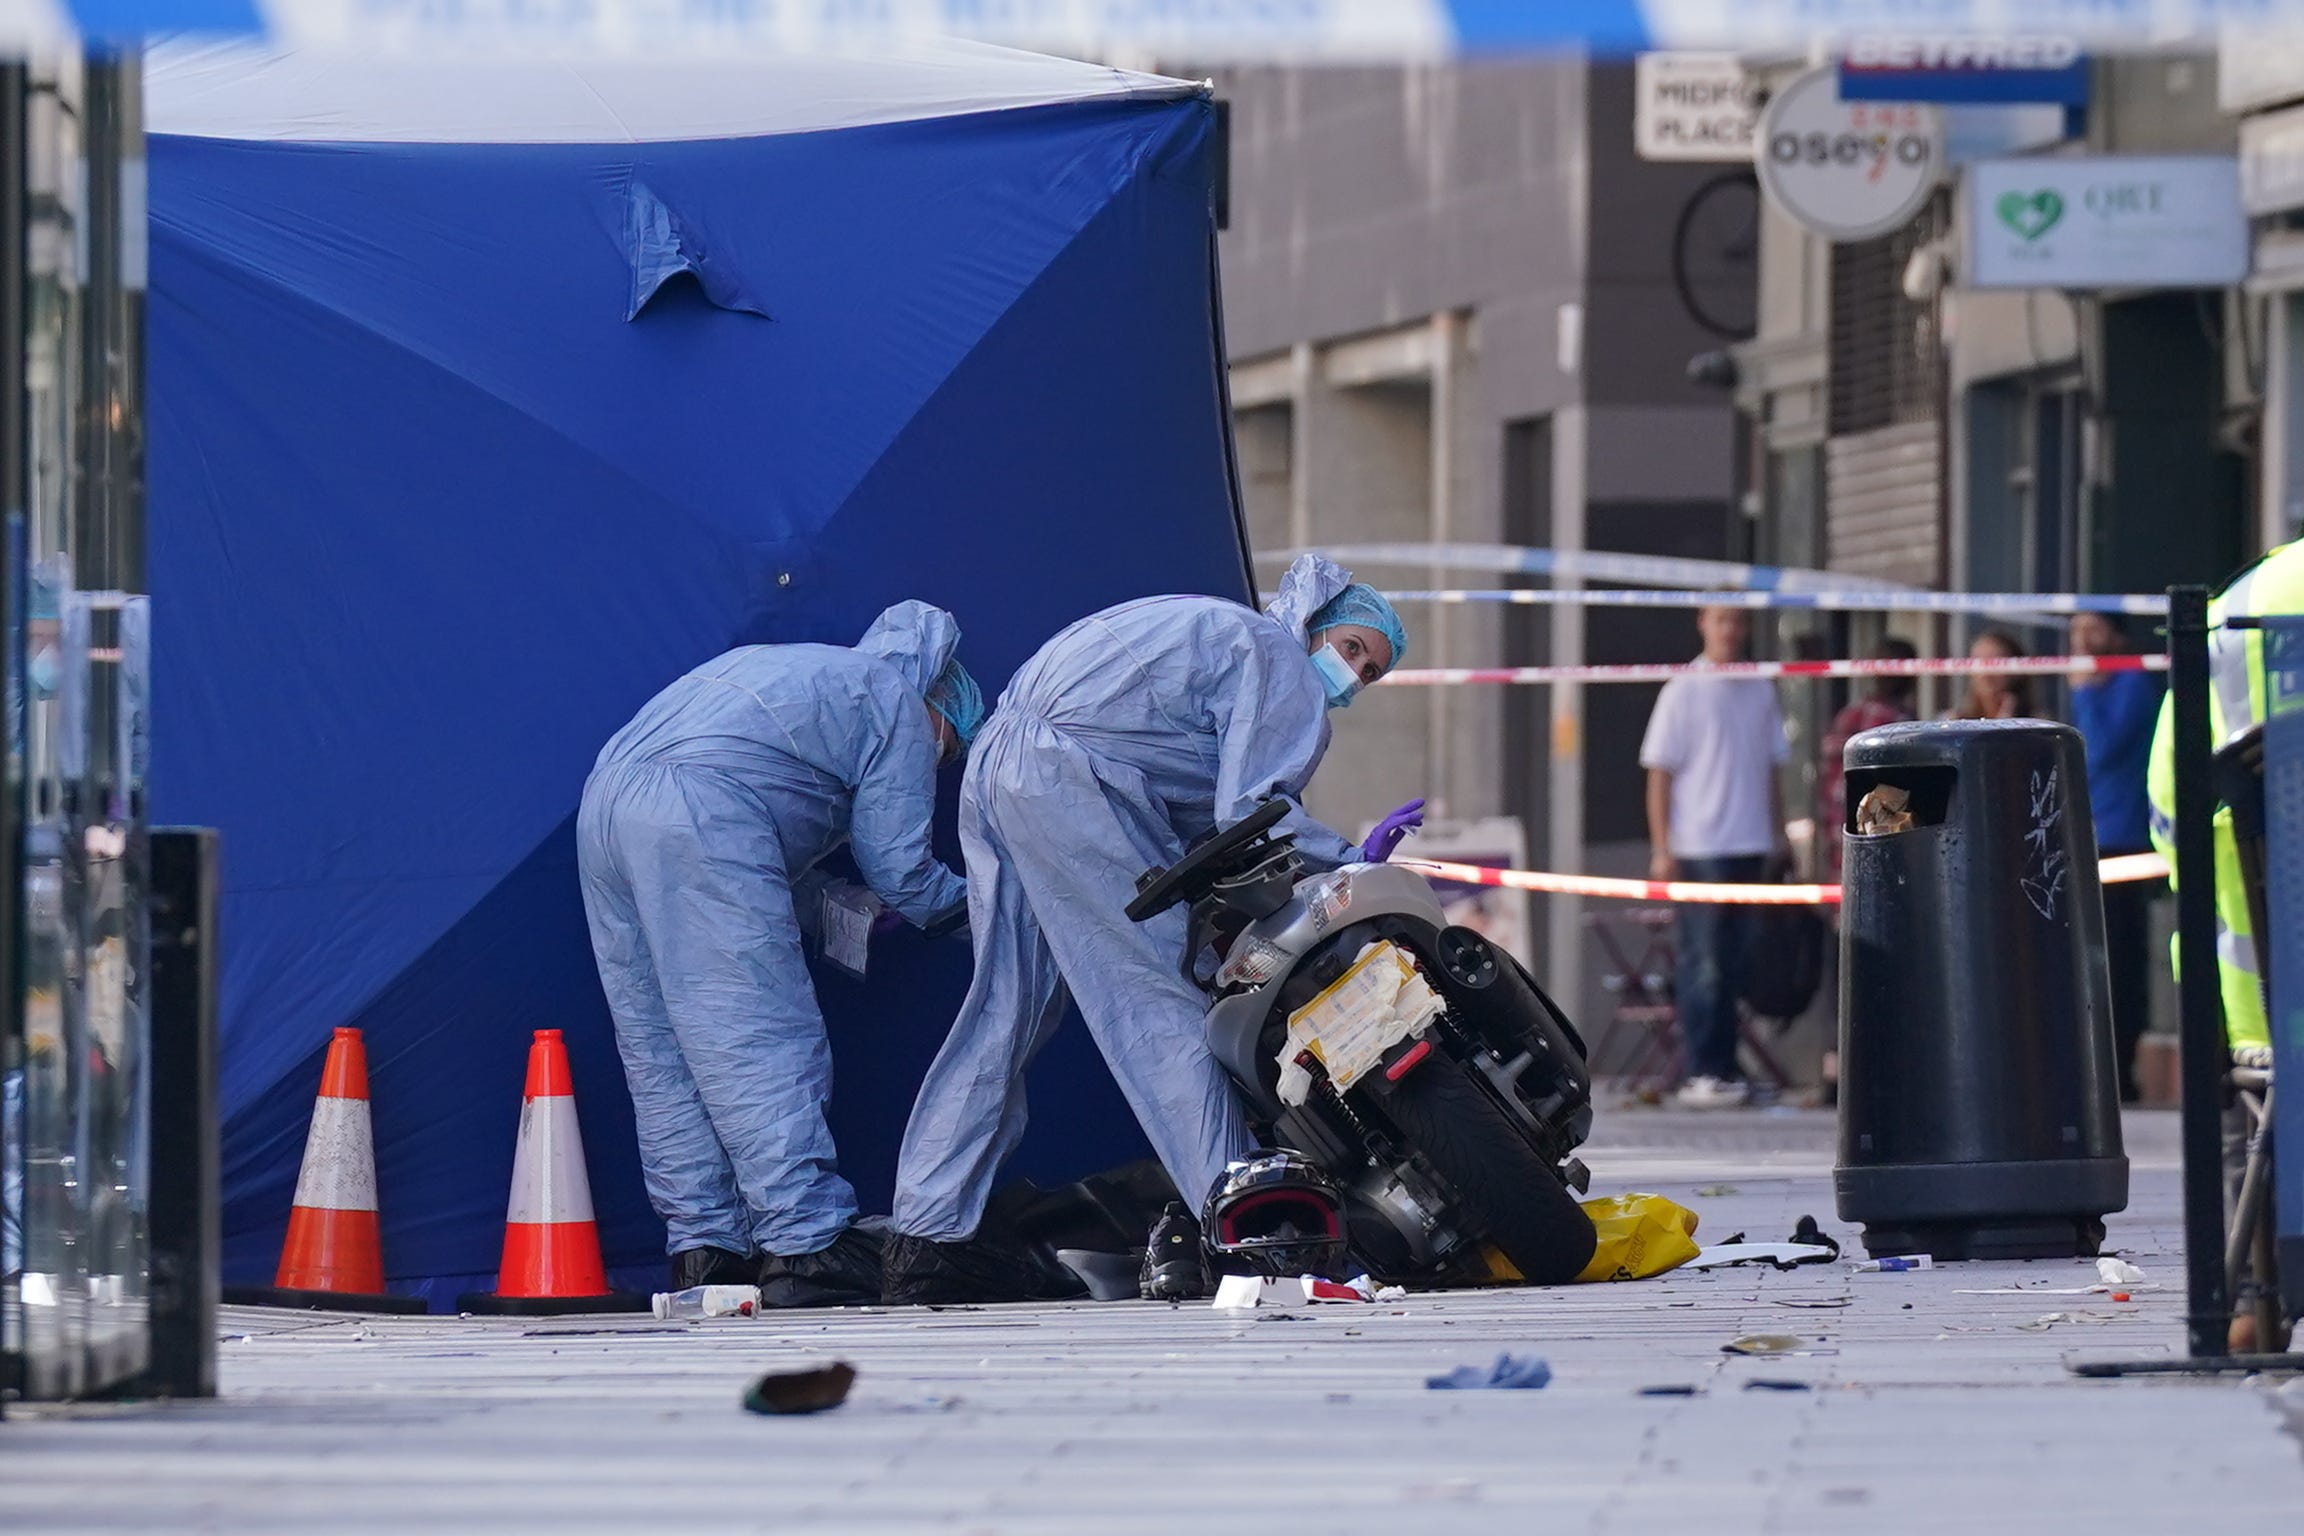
<point>1594,565</point>
<point>1208,31</point>
<point>2045,607</point>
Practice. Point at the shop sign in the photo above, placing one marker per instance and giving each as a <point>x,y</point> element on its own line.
<point>1964,68</point>
<point>2105,221</point>
<point>1848,170</point>
<point>2272,161</point>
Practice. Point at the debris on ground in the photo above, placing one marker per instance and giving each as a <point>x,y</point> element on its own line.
<point>2120,1272</point>
<point>1773,1344</point>
<point>1776,1384</point>
<point>2049,1320</point>
<point>1673,1389</point>
<point>1711,1191</point>
<point>1893,1264</point>
<point>809,1391</point>
<point>699,1301</point>
<point>1807,1245</point>
<point>1510,1373</point>
<point>1806,1231</point>
<point>1781,1255</point>
<point>1240,1292</point>
<point>2117,1289</point>
<point>934,1402</point>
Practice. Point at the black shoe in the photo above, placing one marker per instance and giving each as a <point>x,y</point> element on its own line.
<point>843,1273</point>
<point>710,1266</point>
<point>1174,1267</point>
<point>920,1272</point>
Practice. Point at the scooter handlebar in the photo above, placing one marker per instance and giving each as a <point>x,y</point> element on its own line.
<point>1159,889</point>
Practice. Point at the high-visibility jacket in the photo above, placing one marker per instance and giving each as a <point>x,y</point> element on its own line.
<point>2273,585</point>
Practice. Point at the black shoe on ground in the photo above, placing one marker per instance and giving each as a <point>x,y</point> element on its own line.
<point>1174,1269</point>
<point>845,1273</point>
<point>920,1272</point>
<point>711,1266</point>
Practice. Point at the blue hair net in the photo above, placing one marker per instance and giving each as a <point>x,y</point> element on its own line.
<point>1361,603</point>
<point>955,696</point>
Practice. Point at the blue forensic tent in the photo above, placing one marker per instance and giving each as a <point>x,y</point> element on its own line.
<point>487,399</point>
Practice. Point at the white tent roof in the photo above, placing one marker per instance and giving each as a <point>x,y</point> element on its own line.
<point>246,91</point>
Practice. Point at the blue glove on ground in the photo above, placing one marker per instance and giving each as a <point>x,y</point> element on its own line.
<point>1390,830</point>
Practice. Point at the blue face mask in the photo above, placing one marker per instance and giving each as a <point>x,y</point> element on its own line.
<point>1336,675</point>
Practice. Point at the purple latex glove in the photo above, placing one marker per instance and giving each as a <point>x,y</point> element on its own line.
<point>887,922</point>
<point>1390,830</point>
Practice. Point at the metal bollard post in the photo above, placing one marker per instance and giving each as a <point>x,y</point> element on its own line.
<point>186,1249</point>
<point>2208,1311</point>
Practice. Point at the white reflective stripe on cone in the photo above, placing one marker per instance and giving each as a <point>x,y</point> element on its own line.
<point>339,1172</point>
<point>548,1182</point>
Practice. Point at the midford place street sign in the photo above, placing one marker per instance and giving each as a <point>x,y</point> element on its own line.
<point>1692,106</point>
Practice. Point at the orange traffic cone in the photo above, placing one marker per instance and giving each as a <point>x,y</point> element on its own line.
<point>334,1255</point>
<point>551,1260</point>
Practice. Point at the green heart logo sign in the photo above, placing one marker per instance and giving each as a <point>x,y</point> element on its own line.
<point>2030,216</point>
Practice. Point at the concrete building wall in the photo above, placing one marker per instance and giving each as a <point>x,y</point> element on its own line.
<point>1419,285</point>
<point>1362,199</point>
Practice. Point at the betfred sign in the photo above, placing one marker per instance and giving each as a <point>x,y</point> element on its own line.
<point>1961,68</point>
<point>1692,106</point>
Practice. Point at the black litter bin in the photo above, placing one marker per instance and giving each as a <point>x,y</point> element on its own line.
<point>1979,1101</point>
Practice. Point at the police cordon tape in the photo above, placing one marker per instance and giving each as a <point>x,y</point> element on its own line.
<point>2013,605</point>
<point>2117,870</point>
<point>1595,565</point>
<point>1768,671</point>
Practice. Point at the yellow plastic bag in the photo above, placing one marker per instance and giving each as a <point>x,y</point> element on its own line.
<point>1640,1236</point>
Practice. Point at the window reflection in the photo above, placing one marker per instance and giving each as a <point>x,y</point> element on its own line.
<point>72,1059</point>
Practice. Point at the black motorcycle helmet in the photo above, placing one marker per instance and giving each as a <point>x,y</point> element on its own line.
<point>1278,1214</point>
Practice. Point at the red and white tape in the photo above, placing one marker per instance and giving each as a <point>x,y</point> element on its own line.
<point>2131,866</point>
<point>1768,671</point>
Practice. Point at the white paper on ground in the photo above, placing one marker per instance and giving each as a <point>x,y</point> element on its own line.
<point>1721,1254</point>
<point>2059,1290</point>
<point>1238,1292</point>
<point>1243,1291</point>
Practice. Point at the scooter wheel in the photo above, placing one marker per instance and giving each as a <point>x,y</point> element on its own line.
<point>1509,1194</point>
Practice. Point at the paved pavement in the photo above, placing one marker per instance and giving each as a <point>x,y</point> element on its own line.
<point>1921,1409</point>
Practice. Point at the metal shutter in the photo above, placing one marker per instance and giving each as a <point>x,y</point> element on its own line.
<point>1883,467</point>
<point>1880,514</point>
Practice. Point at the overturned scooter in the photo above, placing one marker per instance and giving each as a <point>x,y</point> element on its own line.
<point>1414,1063</point>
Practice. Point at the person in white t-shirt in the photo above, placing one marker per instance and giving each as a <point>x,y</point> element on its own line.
<point>1715,813</point>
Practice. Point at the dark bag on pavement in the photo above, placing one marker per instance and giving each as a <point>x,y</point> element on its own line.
<point>1785,964</point>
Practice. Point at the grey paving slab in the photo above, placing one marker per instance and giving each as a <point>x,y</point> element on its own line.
<point>1920,1409</point>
